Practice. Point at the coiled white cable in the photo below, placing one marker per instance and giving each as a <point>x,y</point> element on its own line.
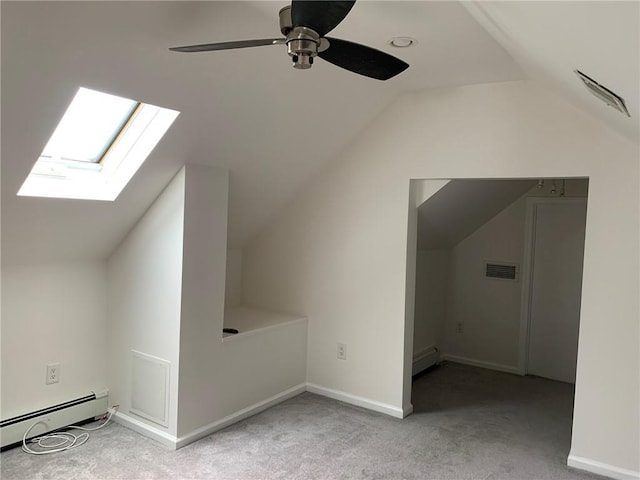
<point>62,440</point>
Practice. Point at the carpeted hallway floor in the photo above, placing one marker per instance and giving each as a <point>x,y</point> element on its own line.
<point>469,423</point>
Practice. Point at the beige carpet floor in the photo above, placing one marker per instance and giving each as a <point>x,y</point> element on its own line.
<point>469,423</point>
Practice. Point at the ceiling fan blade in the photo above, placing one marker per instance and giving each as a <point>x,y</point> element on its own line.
<point>364,60</point>
<point>322,16</point>
<point>208,47</point>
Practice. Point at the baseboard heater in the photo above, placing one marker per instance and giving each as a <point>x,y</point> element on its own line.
<point>76,411</point>
<point>425,359</point>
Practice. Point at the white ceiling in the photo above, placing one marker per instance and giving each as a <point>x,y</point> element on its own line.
<point>551,39</point>
<point>462,206</point>
<point>247,110</point>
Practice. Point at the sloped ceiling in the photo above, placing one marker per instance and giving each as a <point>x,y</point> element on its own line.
<point>461,207</point>
<point>551,39</point>
<point>248,111</point>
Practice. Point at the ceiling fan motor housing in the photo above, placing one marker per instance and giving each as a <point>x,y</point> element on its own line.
<point>302,44</point>
<point>286,24</point>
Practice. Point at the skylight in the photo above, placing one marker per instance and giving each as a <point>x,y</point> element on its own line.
<point>97,147</point>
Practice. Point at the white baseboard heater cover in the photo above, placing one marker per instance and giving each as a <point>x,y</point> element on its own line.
<point>424,359</point>
<point>74,411</point>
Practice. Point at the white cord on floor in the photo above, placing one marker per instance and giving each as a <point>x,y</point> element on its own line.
<point>62,440</point>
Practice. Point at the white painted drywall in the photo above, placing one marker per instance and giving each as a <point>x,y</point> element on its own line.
<point>461,207</point>
<point>419,192</point>
<point>233,283</point>
<point>52,314</point>
<point>219,378</point>
<point>488,309</point>
<point>203,293</point>
<point>556,284</point>
<point>144,297</point>
<point>432,276</point>
<point>245,319</point>
<point>338,253</point>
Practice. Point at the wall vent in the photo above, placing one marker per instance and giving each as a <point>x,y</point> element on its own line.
<point>603,93</point>
<point>501,271</point>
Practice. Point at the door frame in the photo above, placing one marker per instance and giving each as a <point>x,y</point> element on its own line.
<point>527,272</point>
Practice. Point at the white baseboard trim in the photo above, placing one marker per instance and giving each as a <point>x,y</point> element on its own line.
<point>240,415</point>
<point>357,401</point>
<point>480,363</point>
<point>601,468</point>
<point>146,430</point>
<point>424,359</point>
<point>175,443</point>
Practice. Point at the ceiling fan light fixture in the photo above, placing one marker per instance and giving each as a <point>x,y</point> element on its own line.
<point>402,42</point>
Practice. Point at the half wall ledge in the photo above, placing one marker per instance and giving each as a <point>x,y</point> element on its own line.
<point>250,321</point>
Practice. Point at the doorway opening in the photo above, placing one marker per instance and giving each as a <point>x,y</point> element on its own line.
<point>498,278</point>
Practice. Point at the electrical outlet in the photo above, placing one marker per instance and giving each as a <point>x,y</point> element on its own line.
<point>53,373</point>
<point>460,327</point>
<point>342,351</point>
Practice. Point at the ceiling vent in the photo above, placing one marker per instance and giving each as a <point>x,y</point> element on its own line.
<point>603,93</point>
<point>501,271</point>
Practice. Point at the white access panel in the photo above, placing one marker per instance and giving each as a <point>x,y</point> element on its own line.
<point>150,387</point>
<point>558,255</point>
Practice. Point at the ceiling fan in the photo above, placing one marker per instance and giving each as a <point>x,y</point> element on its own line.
<point>304,24</point>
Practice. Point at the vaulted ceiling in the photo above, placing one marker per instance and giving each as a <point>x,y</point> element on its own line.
<point>461,207</point>
<point>247,110</point>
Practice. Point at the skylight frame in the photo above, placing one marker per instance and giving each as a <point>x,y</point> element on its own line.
<point>104,179</point>
<point>119,132</point>
<point>107,114</point>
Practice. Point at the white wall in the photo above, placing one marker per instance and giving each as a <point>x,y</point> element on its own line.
<point>219,378</point>
<point>166,299</point>
<point>144,297</point>
<point>203,293</point>
<point>233,283</point>
<point>451,287</point>
<point>432,277</point>
<point>338,253</point>
<point>489,309</point>
<point>52,314</point>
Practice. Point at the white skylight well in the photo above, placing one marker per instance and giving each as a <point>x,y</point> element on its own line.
<point>97,147</point>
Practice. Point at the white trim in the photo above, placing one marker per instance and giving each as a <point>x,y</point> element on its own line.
<point>600,468</point>
<point>480,363</point>
<point>529,236</point>
<point>123,157</point>
<point>424,359</point>
<point>239,415</point>
<point>146,430</point>
<point>359,401</point>
<point>166,364</point>
<point>175,443</point>
<point>527,272</point>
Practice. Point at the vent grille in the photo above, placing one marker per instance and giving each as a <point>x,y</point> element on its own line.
<point>501,271</point>
<point>603,93</point>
